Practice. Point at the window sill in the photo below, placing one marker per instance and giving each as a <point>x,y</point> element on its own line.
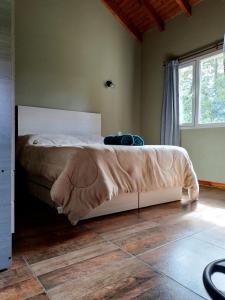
<point>205,126</point>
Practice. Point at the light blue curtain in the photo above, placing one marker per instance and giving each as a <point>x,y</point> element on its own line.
<point>170,130</point>
<point>224,52</point>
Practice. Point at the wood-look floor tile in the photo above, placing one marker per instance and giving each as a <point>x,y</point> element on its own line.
<point>143,285</point>
<point>154,237</point>
<point>213,197</point>
<point>159,212</point>
<point>142,241</point>
<point>107,276</point>
<point>184,261</point>
<point>215,236</point>
<point>170,212</point>
<point>17,261</point>
<point>167,289</point>
<point>81,269</point>
<point>164,213</point>
<point>127,230</point>
<point>58,244</point>
<point>215,216</point>
<point>21,290</point>
<point>76,262</point>
<point>113,222</point>
<point>129,280</point>
<point>42,296</point>
<point>131,285</point>
<point>16,273</point>
<point>34,228</point>
<point>61,261</point>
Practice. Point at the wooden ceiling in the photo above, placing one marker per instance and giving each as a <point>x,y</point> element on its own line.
<point>138,16</point>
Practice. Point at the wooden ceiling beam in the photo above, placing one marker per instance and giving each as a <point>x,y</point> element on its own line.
<point>153,14</point>
<point>185,6</point>
<point>118,13</point>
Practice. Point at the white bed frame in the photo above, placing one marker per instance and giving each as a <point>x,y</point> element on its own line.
<point>35,120</point>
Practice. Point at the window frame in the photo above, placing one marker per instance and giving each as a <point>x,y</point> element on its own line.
<point>195,62</point>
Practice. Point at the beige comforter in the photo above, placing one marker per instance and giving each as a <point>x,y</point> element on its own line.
<point>85,176</point>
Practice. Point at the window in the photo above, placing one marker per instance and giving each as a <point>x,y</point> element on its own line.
<point>202,91</point>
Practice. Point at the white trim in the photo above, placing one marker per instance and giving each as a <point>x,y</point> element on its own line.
<point>202,126</point>
<point>195,62</point>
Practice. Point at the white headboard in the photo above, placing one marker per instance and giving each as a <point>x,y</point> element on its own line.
<point>37,120</point>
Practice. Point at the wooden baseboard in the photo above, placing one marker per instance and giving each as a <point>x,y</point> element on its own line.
<point>217,185</point>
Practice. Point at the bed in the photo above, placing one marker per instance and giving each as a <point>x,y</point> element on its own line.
<point>109,193</point>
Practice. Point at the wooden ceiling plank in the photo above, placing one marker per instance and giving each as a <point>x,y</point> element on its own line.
<point>116,11</point>
<point>152,12</point>
<point>185,6</point>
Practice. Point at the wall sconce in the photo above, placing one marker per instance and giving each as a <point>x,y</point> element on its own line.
<point>109,84</point>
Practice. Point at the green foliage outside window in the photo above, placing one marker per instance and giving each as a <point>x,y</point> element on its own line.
<point>211,91</point>
<point>185,94</point>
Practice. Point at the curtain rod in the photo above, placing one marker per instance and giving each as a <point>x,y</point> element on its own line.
<point>200,51</point>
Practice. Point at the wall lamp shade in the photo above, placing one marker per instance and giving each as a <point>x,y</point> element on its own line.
<point>109,84</point>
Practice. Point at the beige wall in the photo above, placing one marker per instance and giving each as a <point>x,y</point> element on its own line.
<point>183,34</point>
<point>207,150</point>
<point>65,50</point>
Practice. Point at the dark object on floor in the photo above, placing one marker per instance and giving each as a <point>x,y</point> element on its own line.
<point>124,140</point>
<point>213,267</point>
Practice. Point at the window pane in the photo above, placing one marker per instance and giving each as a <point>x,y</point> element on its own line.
<point>212,90</point>
<point>185,94</point>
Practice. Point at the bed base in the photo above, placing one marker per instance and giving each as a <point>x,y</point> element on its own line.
<point>122,202</point>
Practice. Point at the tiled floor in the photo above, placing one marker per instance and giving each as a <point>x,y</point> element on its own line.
<point>156,253</point>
